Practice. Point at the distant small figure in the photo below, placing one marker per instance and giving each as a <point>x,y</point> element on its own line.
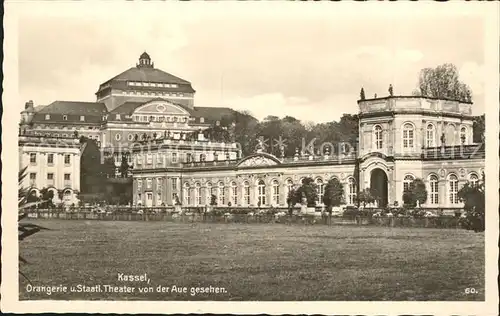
<point>375,96</point>
<point>391,90</point>
<point>362,94</point>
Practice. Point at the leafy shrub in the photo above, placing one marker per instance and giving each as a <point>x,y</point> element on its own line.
<point>25,229</point>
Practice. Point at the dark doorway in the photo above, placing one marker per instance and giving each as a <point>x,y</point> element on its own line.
<point>379,186</point>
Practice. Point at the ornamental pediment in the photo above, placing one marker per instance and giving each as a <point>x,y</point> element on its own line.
<point>161,107</point>
<point>259,160</point>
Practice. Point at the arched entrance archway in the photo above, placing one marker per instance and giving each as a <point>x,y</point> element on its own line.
<point>379,186</point>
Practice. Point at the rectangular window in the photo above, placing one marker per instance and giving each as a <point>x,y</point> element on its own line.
<point>50,176</point>
<point>149,159</point>
<point>32,157</point>
<point>82,118</point>
<point>67,177</point>
<point>32,176</point>
<point>149,183</point>
<point>47,116</point>
<point>139,184</point>
<point>65,117</point>
<point>50,158</point>
<point>158,184</point>
<point>67,159</point>
<point>174,157</point>
<point>118,116</point>
<point>174,184</point>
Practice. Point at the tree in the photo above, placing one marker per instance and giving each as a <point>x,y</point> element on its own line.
<point>443,82</point>
<point>416,192</point>
<point>362,94</point>
<point>365,197</point>
<point>124,166</point>
<point>108,168</point>
<point>334,193</point>
<point>473,197</point>
<point>478,129</point>
<point>309,190</point>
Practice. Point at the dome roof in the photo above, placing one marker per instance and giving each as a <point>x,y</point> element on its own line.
<point>144,56</point>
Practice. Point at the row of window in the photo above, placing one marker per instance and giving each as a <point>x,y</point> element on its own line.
<point>152,84</point>
<point>50,159</point>
<point>50,177</point>
<point>65,117</point>
<point>188,157</point>
<point>452,186</point>
<point>193,195</point>
<point>154,93</point>
<point>158,118</point>
<point>408,135</point>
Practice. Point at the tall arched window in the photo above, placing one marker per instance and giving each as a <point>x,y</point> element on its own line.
<point>473,179</point>
<point>187,194</point>
<point>351,191</point>
<point>407,180</point>
<point>434,189</point>
<point>261,187</point>
<point>203,157</point>
<point>408,136</point>
<point>321,190</point>
<point>189,157</point>
<point>220,193</point>
<point>210,191</point>
<point>197,194</point>
<point>430,136</point>
<point>453,189</point>
<point>276,192</point>
<point>377,136</point>
<point>246,193</point>
<point>234,193</point>
<point>463,135</point>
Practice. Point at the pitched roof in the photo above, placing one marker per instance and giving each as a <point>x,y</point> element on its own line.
<point>74,108</point>
<point>211,114</point>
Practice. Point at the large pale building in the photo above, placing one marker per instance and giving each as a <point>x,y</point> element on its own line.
<point>150,116</point>
<point>51,163</point>
<point>401,138</point>
<point>142,103</point>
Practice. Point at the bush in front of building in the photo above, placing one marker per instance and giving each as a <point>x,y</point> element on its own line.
<point>307,190</point>
<point>334,194</point>
<point>473,196</point>
<point>415,194</point>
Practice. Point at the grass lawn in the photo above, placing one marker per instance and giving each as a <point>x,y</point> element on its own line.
<point>255,261</point>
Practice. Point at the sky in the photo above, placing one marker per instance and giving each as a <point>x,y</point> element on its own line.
<point>309,66</point>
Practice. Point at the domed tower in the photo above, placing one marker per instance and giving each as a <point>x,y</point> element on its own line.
<point>143,83</point>
<point>28,113</point>
<point>145,61</point>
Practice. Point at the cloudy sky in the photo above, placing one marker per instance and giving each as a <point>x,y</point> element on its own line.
<point>310,66</point>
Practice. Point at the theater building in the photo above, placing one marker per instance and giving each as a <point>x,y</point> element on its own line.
<point>141,103</point>
<point>401,138</point>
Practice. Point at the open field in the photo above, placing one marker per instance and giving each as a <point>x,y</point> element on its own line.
<point>254,262</point>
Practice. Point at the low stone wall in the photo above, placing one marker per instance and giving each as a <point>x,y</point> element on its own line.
<point>307,219</point>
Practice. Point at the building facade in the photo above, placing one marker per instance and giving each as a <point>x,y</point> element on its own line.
<point>52,164</point>
<point>400,139</point>
<point>142,103</point>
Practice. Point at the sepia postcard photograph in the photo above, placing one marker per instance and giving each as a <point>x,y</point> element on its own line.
<point>261,157</point>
